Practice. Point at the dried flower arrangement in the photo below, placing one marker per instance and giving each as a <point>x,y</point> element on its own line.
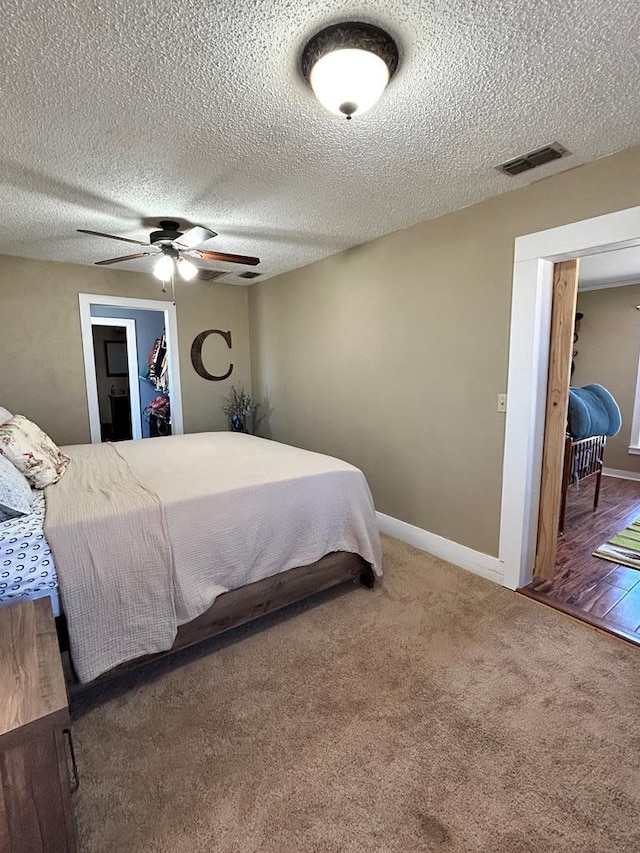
<point>239,409</point>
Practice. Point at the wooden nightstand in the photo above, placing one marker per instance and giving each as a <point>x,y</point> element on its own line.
<point>36,813</point>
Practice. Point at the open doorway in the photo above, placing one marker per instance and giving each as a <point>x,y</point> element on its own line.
<point>131,367</point>
<point>116,365</point>
<point>595,574</point>
<point>534,258</point>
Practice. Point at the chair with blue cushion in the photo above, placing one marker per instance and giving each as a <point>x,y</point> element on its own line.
<point>592,411</point>
<point>593,416</point>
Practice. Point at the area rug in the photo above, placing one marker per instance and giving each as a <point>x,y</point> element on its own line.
<point>623,548</point>
<point>438,712</point>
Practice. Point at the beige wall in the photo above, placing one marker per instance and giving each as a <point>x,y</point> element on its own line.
<point>391,355</point>
<point>608,350</point>
<point>42,372</point>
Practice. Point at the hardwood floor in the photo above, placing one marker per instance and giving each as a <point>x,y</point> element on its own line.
<point>595,590</point>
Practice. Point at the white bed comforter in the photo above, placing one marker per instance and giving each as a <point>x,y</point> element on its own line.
<point>231,509</point>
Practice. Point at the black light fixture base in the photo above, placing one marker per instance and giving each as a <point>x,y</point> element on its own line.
<point>350,34</point>
<point>169,231</point>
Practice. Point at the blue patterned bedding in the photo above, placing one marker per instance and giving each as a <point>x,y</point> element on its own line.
<point>26,563</point>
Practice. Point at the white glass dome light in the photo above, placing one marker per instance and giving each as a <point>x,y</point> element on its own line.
<point>186,269</point>
<point>349,81</point>
<point>166,266</point>
<point>163,269</point>
<point>349,66</point>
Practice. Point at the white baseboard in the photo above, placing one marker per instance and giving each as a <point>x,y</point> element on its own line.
<point>621,475</point>
<point>481,564</point>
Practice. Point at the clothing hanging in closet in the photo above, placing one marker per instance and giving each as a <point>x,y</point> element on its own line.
<point>158,366</point>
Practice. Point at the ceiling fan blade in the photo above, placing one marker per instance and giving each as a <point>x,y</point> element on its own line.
<point>123,258</point>
<point>206,255</point>
<point>196,235</point>
<point>111,237</point>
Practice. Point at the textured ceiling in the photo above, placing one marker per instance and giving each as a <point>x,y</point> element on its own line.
<point>610,269</point>
<point>117,113</point>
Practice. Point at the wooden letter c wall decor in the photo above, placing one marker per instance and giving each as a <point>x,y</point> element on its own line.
<point>196,354</point>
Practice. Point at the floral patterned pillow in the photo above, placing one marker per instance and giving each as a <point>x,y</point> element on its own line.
<point>32,452</point>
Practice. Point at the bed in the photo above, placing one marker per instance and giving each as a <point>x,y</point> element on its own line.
<point>27,569</point>
<point>163,542</point>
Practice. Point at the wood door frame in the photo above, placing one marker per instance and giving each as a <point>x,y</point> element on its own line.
<point>532,291</point>
<point>563,313</point>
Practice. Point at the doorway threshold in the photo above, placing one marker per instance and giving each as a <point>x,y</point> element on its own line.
<point>596,591</point>
<point>583,615</point>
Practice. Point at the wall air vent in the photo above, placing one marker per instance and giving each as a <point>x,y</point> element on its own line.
<point>210,275</point>
<point>249,274</point>
<point>533,159</point>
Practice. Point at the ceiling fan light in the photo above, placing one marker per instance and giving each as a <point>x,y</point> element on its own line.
<point>349,65</point>
<point>163,268</point>
<point>349,82</point>
<point>186,269</point>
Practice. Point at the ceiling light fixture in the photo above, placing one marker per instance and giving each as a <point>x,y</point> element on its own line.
<point>163,268</point>
<point>349,65</point>
<point>186,269</point>
<point>169,261</point>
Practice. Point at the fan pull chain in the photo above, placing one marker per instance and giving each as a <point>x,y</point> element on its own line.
<point>173,286</point>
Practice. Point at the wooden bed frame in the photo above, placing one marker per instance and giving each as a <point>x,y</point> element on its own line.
<point>238,607</point>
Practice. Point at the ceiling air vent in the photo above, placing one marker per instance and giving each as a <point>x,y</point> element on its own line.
<point>210,275</point>
<point>249,274</point>
<point>533,159</point>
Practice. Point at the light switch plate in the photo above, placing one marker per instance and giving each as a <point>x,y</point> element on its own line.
<point>502,402</point>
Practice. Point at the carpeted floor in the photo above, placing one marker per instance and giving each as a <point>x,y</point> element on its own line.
<point>438,712</point>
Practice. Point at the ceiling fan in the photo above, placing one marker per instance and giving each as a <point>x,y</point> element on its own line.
<point>174,248</point>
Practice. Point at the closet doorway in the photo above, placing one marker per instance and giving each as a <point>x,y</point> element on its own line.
<point>131,367</point>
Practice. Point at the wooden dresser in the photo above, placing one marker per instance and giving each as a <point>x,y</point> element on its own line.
<point>36,753</point>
